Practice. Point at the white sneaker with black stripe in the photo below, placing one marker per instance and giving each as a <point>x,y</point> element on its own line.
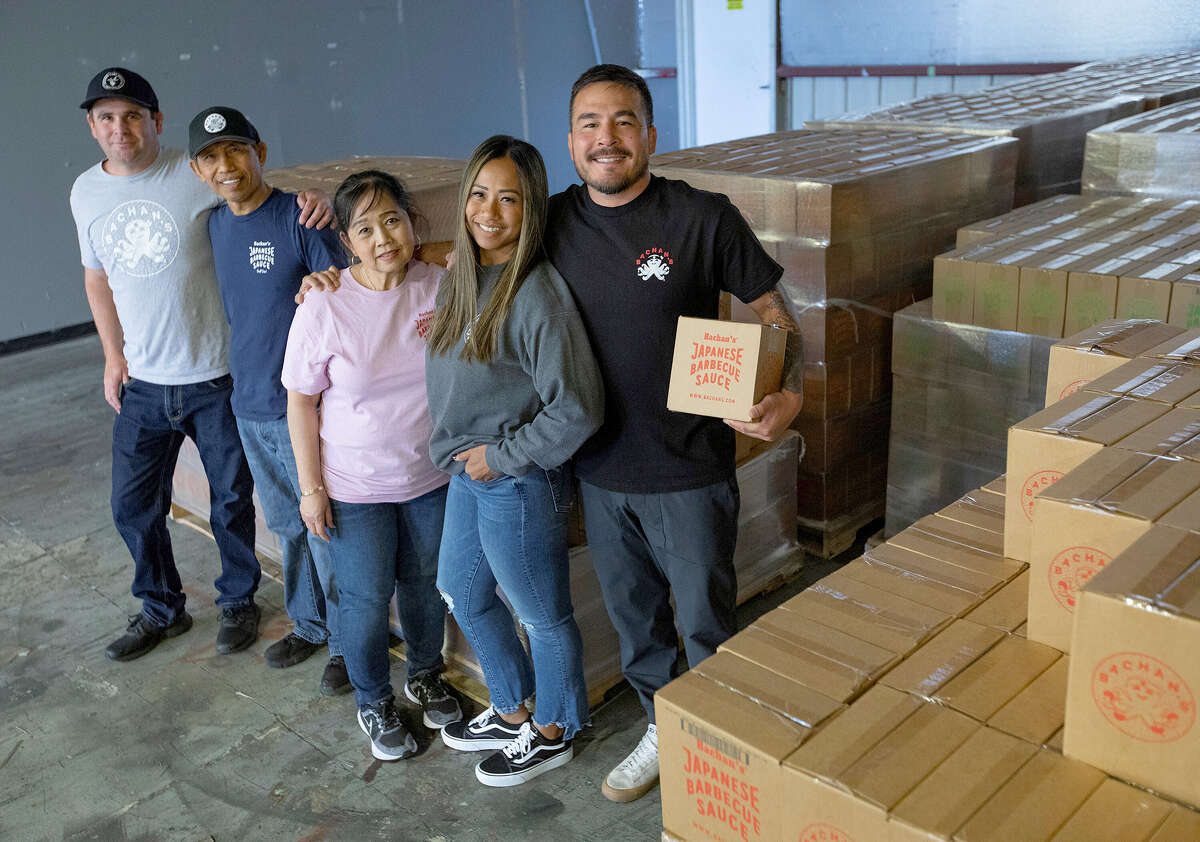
<point>523,759</point>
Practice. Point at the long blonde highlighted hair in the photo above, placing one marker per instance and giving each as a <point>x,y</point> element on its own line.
<point>460,286</point>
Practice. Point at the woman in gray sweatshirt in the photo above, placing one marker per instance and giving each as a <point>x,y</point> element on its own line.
<point>513,392</point>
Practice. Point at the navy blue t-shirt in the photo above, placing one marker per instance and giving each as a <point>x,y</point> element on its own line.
<point>260,259</point>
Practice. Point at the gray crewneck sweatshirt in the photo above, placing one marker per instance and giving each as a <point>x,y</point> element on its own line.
<point>538,399</point>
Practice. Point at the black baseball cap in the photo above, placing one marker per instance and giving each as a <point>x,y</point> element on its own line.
<point>219,123</point>
<point>122,84</point>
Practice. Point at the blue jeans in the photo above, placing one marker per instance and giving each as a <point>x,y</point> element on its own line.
<point>507,532</point>
<point>647,546</point>
<point>308,585</point>
<point>379,549</point>
<point>147,434</point>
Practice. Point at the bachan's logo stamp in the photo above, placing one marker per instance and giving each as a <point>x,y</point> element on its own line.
<point>654,263</point>
<point>1143,698</point>
<point>821,832</point>
<point>1072,387</point>
<point>1037,481</point>
<point>1071,569</point>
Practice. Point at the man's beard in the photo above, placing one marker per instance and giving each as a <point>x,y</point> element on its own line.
<point>612,188</point>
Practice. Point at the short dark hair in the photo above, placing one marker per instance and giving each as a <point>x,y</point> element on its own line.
<point>618,75</point>
<point>370,183</point>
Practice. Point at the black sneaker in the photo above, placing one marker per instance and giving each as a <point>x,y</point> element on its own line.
<point>381,722</point>
<point>289,651</point>
<point>335,680</point>
<point>438,707</point>
<point>239,628</point>
<point>486,731</point>
<point>523,759</point>
<point>142,635</point>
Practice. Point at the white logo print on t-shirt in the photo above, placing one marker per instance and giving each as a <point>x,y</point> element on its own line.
<point>143,237</point>
<point>654,263</point>
<point>262,256</point>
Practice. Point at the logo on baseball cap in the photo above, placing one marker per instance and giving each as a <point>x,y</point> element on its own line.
<point>219,123</point>
<point>119,83</point>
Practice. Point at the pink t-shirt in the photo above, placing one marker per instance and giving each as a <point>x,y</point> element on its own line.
<point>364,352</point>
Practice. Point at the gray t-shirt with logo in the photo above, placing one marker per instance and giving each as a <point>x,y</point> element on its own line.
<point>149,233</point>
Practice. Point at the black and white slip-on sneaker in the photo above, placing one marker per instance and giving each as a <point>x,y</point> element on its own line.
<point>523,759</point>
<point>390,739</point>
<point>484,732</point>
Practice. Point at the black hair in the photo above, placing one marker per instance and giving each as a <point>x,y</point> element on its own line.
<point>370,183</point>
<point>619,75</point>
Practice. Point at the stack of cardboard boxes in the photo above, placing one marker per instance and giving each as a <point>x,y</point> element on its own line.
<point>1050,114</point>
<point>1152,154</point>
<point>956,389</point>
<point>855,218</point>
<point>898,699</point>
<point>1062,265</point>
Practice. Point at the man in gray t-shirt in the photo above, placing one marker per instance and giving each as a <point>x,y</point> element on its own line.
<point>142,221</point>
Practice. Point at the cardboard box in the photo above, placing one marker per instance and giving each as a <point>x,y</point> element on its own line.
<point>941,658</point>
<point>828,660</point>
<point>1171,383</point>
<point>1182,347</point>
<point>1043,447</point>
<point>957,549</point>
<point>954,287</point>
<point>1036,713</point>
<point>1182,825</point>
<point>968,511</point>
<point>778,693</point>
<point>1176,434</point>
<point>724,368</point>
<point>847,778</point>
<point>997,289</point>
<point>1116,811</point>
<point>1143,298</point>
<point>1036,801</point>
<point>922,579</point>
<point>1091,299</point>
<point>1042,306</point>
<point>1088,518</point>
<point>1006,609</point>
<point>1185,303</point>
<point>719,756</point>
<point>960,532</point>
<point>869,613</point>
<point>956,789</point>
<point>1131,692</point>
<point>990,682</point>
<point>1097,350</point>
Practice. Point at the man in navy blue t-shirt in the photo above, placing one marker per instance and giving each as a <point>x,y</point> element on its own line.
<point>261,252</point>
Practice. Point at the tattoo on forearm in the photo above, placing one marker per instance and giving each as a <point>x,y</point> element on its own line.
<point>777,311</point>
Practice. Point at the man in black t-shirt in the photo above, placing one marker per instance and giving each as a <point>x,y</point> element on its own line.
<point>659,490</point>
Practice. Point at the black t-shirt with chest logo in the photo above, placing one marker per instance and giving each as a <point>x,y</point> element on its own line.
<point>634,270</point>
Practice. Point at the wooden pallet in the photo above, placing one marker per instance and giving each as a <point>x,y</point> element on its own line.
<point>828,538</point>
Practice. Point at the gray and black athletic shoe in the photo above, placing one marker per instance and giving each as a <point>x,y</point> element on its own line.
<point>526,757</point>
<point>438,706</point>
<point>484,732</point>
<point>381,722</point>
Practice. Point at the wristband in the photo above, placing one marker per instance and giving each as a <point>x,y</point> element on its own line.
<point>311,491</point>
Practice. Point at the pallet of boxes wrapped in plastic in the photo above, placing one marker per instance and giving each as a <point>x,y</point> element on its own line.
<point>1050,114</point>
<point>765,555</point>
<point>956,389</point>
<point>855,218</point>
<point>899,699</point>
<point>1152,154</point>
<point>1064,264</point>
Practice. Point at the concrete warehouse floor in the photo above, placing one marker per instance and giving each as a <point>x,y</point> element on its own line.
<point>185,744</point>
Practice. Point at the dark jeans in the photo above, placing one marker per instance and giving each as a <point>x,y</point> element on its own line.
<point>147,434</point>
<point>379,549</point>
<point>646,546</point>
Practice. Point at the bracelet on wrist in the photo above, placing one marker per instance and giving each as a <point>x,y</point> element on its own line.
<point>311,491</point>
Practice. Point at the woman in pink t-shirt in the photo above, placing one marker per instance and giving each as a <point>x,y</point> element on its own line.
<point>367,484</point>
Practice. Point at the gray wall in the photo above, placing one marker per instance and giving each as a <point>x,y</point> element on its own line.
<point>820,32</point>
<point>321,80</point>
